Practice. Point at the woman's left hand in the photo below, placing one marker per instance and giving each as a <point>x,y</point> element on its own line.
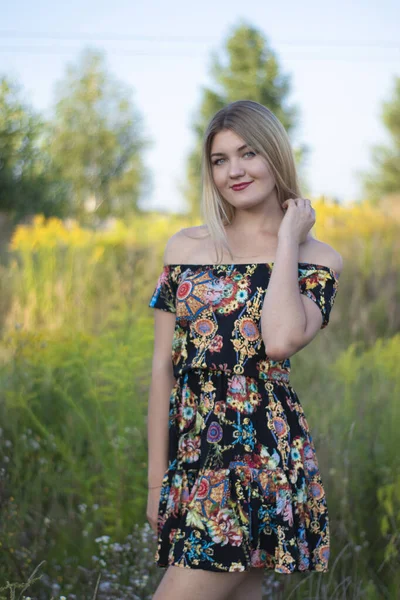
<point>298,220</point>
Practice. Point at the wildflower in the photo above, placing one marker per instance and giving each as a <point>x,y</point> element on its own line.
<point>117,547</point>
<point>104,539</point>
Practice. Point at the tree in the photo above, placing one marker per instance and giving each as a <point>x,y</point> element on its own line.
<point>252,72</point>
<point>28,181</point>
<point>385,180</point>
<point>96,140</point>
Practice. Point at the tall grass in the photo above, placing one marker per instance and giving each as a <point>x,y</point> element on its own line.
<point>75,357</point>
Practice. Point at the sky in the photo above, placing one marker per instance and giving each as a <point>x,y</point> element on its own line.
<point>342,59</point>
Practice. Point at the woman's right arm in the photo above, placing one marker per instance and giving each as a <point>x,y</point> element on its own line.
<point>162,382</point>
<point>162,377</point>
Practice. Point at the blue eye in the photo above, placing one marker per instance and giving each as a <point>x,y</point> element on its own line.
<point>218,159</point>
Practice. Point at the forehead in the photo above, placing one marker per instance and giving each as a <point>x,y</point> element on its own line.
<point>226,139</point>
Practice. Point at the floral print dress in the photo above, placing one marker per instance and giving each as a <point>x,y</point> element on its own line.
<point>243,487</point>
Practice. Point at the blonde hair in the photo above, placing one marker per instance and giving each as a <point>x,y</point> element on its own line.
<point>262,130</point>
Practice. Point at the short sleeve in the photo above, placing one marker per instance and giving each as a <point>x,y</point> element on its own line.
<point>320,283</point>
<point>164,295</point>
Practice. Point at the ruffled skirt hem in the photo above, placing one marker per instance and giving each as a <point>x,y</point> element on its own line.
<point>237,518</point>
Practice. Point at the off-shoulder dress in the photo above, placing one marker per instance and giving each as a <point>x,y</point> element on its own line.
<point>243,487</point>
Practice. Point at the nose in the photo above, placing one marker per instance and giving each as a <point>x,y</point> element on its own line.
<point>236,169</point>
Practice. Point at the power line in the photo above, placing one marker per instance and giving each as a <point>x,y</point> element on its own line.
<point>186,39</point>
<point>51,50</point>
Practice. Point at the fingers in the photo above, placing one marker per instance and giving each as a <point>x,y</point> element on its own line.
<point>307,202</point>
<point>297,202</point>
<point>153,525</point>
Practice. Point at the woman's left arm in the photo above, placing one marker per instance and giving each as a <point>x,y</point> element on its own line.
<point>297,306</point>
<point>283,317</point>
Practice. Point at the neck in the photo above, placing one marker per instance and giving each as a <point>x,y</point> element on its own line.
<point>261,220</point>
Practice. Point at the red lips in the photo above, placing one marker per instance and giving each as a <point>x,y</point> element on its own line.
<point>241,186</point>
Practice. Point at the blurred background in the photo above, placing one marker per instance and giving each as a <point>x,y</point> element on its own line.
<point>102,111</point>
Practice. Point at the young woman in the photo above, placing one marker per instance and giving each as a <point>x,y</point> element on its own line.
<point>234,482</point>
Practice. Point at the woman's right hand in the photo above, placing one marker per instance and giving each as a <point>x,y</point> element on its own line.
<point>153,501</point>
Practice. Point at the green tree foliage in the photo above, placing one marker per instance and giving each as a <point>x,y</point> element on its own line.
<point>28,180</point>
<point>251,72</point>
<point>96,140</point>
<point>385,180</point>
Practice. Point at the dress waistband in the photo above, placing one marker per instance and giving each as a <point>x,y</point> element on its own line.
<point>269,374</point>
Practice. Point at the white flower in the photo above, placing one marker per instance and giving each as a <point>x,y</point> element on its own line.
<point>104,539</point>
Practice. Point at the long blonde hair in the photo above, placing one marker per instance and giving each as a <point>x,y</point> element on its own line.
<point>262,130</point>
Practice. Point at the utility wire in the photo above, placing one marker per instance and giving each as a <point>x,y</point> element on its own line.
<point>52,50</point>
<point>187,39</point>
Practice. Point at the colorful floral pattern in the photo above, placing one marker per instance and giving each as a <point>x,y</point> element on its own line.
<point>243,487</point>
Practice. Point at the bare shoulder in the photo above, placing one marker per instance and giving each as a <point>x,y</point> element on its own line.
<point>197,232</point>
<point>182,246</point>
<point>321,253</point>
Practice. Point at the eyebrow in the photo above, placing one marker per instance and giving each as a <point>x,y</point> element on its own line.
<point>237,150</point>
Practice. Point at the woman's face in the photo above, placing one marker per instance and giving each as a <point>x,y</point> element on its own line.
<point>233,162</point>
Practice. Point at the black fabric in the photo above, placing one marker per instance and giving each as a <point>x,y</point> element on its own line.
<point>243,487</point>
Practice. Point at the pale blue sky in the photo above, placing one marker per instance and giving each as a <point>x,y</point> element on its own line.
<point>342,58</point>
